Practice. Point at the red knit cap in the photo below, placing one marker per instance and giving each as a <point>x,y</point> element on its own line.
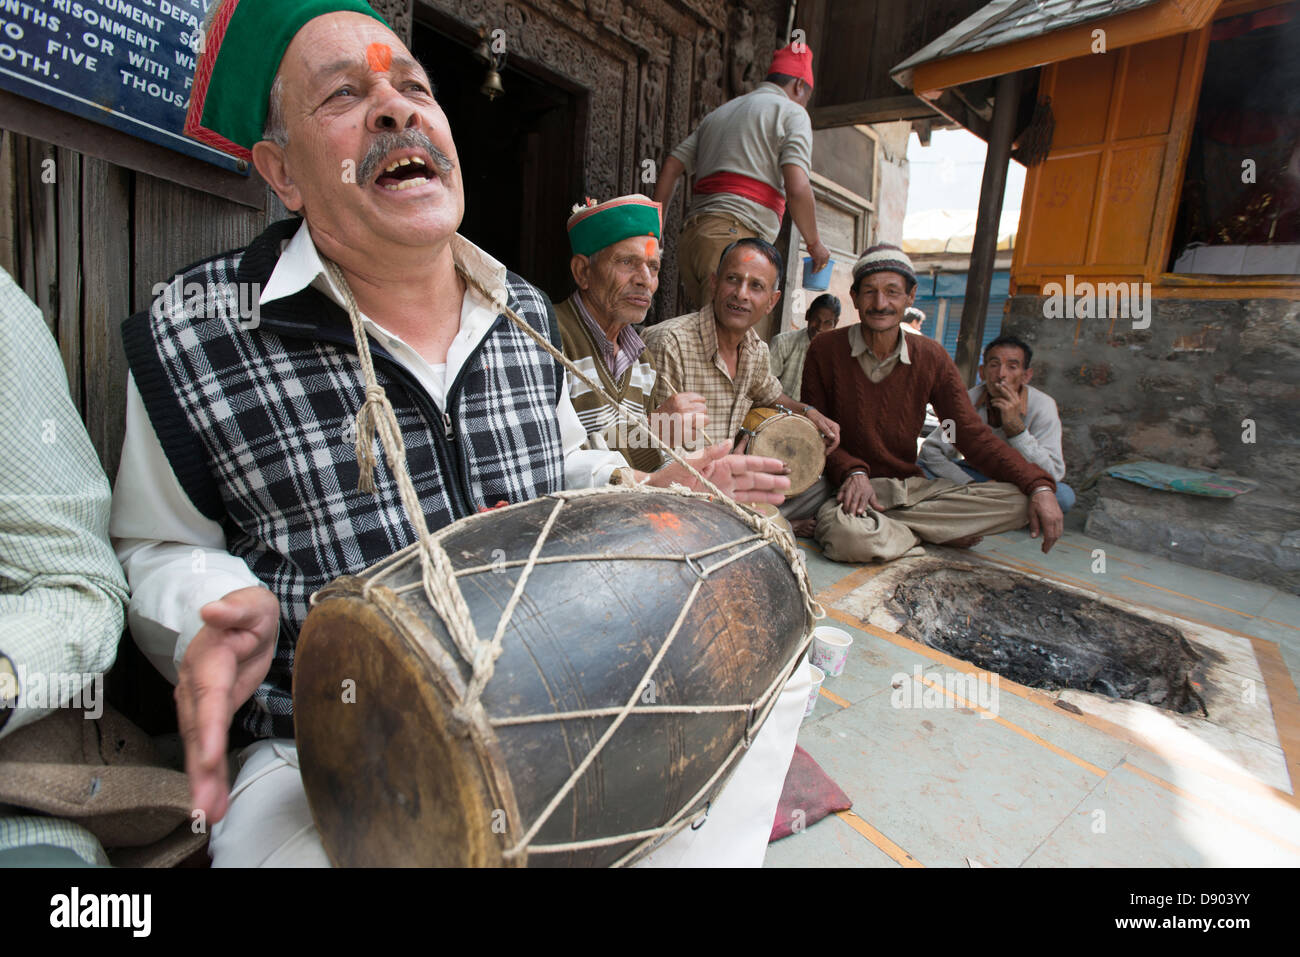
<point>793,62</point>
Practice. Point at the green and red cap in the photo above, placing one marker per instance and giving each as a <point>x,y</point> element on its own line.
<point>594,226</point>
<point>242,49</point>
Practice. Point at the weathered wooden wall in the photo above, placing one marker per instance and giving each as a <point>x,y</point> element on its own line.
<point>87,240</point>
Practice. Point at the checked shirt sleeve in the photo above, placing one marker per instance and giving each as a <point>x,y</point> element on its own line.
<point>62,592</point>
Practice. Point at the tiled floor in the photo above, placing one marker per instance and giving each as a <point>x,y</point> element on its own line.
<point>938,781</point>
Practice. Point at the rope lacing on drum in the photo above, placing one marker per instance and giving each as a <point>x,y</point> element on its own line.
<point>439,578</point>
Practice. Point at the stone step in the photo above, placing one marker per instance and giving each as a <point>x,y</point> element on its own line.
<point>1254,537</point>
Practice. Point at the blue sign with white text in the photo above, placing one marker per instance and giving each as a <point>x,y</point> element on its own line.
<point>128,64</point>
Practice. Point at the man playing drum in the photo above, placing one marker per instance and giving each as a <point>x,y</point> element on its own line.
<point>237,495</point>
<point>716,352</point>
<point>615,266</point>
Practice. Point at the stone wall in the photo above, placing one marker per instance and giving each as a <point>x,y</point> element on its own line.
<point>1209,384</point>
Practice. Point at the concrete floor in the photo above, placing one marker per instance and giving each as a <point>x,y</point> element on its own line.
<point>947,783</point>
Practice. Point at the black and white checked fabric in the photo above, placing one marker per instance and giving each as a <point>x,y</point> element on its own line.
<point>258,424</point>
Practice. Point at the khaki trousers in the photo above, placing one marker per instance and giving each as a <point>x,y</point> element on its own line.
<point>700,247</point>
<point>807,502</point>
<point>916,510</point>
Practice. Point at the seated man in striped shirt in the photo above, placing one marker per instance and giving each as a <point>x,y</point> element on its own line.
<point>615,266</point>
<point>62,593</point>
<point>716,352</point>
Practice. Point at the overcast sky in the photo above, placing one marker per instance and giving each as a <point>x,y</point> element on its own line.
<point>947,173</point>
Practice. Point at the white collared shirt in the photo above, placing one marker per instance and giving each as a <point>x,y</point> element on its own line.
<point>175,557</point>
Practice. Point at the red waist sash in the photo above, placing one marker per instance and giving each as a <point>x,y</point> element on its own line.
<point>745,186</point>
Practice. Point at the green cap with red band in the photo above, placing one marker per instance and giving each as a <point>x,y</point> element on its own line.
<point>596,225</point>
<point>243,46</point>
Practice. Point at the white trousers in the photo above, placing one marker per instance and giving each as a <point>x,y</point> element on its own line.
<point>268,823</point>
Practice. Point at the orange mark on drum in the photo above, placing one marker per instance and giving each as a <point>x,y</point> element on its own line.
<point>664,520</point>
<point>380,57</point>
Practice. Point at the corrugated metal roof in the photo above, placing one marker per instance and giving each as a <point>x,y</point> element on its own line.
<point>1007,21</point>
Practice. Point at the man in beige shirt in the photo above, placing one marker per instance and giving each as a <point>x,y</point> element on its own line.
<point>716,353</point>
<point>790,349</point>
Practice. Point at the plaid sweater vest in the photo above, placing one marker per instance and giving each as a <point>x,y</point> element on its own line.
<point>258,425</point>
<point>632,391</point>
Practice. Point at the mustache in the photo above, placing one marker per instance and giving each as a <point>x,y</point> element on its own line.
<point>386,143</point>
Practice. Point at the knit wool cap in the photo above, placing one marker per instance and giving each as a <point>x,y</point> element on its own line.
<point>242,50</point>
<point>597,225</point>
<point>883,257</point>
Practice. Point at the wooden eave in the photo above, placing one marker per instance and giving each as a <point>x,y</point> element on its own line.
<point>1167,18</point>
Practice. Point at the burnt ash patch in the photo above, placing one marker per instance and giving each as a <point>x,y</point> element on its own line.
<point>1049,638</point>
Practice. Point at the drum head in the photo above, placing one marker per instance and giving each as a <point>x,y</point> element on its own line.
<point>796,442</point>
<point>375,734</point>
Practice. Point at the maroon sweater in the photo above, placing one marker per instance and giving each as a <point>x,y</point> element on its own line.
<point>880,422</point>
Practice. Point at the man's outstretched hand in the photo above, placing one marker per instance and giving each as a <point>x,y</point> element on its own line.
<point>1045,517</point>
<point>751,479</point>
<point>222,667</point>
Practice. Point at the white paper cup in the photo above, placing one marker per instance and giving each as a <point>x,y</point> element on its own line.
<point>818,676</point>
<point>830,649</point>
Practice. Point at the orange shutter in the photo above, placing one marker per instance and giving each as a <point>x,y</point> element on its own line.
<point>1103,203</point>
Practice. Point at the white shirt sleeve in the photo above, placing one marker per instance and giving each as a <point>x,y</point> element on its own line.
<point>797,146</point>
<point>1040,442</point>
<point>175,557</point>
<point>686,152</point>
<point>583,468</point>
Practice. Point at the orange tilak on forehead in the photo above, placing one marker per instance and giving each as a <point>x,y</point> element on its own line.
<point>380,57</point>
<point>651,247</point>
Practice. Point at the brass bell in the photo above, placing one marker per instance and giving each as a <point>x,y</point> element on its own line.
<point>492,87</point>
<point>482,53</point>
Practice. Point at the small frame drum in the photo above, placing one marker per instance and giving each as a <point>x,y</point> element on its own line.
<point>780,434</point>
